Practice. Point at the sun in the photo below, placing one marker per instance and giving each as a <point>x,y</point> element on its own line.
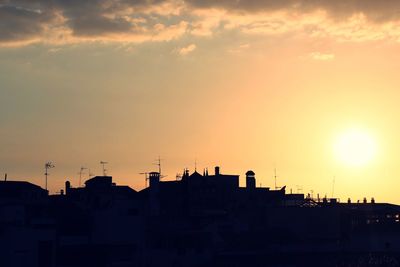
<point>355,148</point>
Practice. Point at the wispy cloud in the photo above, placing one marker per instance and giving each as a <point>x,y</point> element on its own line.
<point>239,48</point>
<point>322,56</point>
<point>186,50</point>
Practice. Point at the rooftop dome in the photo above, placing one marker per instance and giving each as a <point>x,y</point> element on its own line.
<point>250,173</point>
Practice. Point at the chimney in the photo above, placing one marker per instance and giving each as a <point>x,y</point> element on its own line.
<point>250,180</point>
<point>217,170</point>
<point>154,178</point>
<point>67,187</point>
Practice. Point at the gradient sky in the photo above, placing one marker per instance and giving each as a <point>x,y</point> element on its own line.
<point>240,84</point>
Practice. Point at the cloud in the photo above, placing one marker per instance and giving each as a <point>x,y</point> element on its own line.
<point>167,33</point>
<point>73,21</point>
<point>19,23</point>
<point>239,48</point>
<point>376,10</point>
<point>54,50</point>
<point>341,20</point>
<point>186,50</point>
<point>322,56</point>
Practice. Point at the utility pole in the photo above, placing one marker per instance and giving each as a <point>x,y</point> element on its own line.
<point>47,166</point>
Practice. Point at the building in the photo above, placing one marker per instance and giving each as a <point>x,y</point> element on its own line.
<point>197,220</point>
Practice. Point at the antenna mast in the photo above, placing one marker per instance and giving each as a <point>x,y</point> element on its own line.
<point>299,189</point>
<point>276,188</point>
<point>146,178</point>
<point>80,174</point>
<point>103,163</point>
<point>333,185</point>
<point>47,166</point>
<point>158,163</point>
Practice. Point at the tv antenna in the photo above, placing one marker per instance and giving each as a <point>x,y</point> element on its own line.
<point>48,165</point>
<point>158,163</point>
<point>333,185</point>
<point>275,176</point>
<point>80,174</point>
<point>299,189</point>
<point>146,174</point>
<point>146,178</point>
<point>103,163</point>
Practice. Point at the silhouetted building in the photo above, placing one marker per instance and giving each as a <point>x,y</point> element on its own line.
<point>199,220</point>
<point>250,180</point>
<point>20,190</point>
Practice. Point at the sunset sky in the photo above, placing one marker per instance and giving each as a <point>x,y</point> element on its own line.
<point>240,84</point>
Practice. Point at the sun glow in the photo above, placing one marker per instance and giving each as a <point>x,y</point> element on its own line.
<point>355,148</point>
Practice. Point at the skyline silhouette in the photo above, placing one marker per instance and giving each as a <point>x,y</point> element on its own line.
<point>199,133</point>
<point>196,220</point>
<point>273,182</point>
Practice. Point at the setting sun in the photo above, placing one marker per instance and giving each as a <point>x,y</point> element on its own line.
<point>355,148</point>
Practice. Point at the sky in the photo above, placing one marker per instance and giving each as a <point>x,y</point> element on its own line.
<point>256,84</point>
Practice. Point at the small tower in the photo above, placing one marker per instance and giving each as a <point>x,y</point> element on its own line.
<point>154,178</point>
<point>250,180</point>
<point>67,187</point>
<point>217,170</point>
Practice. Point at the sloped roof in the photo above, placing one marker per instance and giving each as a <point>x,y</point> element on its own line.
<point>196,175</point>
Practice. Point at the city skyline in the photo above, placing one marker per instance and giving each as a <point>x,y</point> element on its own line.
<point>245,85</point>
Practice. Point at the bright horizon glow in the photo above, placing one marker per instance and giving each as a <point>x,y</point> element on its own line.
<point>355,148</point>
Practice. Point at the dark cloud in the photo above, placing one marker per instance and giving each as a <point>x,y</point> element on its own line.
<point>27,19</point>
<point>97,25</point>
<point>19,23</point>
<point>95,17</point>
<point>376,10</point>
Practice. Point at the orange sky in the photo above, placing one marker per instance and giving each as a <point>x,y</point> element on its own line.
<point>252,85</point>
